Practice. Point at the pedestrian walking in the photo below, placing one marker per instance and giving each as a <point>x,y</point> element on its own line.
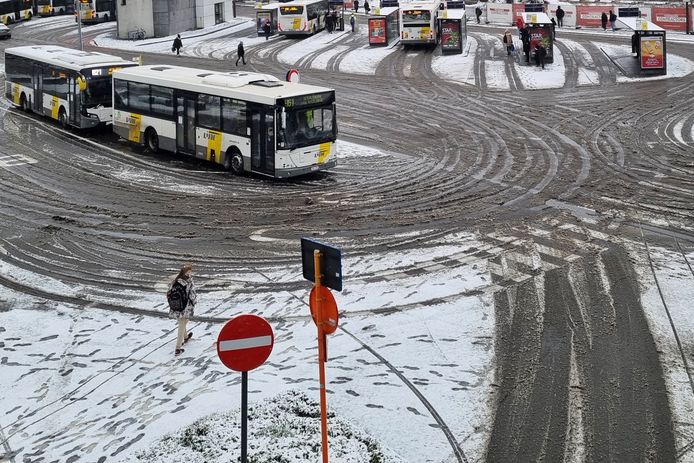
<point>267,28</point>
<point>329,23</point>
<point>508,41</point>
<point>367,8</point>
<point>336,22</point>
<point>603,21</point>
<point>182,288</point>
<point>478,13</point>
<point>560,16</point>
<point>356,6</point>
<point>635,44</point>
<point>554,29</point>
<point>352,21</point>
<point>241,54</point>
<point>525,38</point>
<point>177,44</point>
<point>613,21</point>
<point>540,54</point>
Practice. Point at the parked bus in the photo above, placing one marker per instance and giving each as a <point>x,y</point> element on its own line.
<point>244,121</point>
<point>302,17</point>
<point>71,86</point>
<point>94,11</point>
<point>52,7</point>
<point>15,10</point>
<point>418,23</point>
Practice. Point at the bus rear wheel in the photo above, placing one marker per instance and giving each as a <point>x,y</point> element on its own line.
<point>234,163</point>
<point>152,140</point>
<point>62,118</point>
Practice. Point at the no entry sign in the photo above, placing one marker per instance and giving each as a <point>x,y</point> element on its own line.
<point>245,342</point>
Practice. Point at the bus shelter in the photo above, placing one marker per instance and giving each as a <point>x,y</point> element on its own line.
<point>453,27</point>
<point>264,13</point>
<point>540,33</point>
<point>384,26</point>
<point>648,42</point>
<point>337,9</point>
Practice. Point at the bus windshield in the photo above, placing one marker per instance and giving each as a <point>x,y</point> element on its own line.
<point>416,16</point>
<point>98,91</point>
<point>290,10</point>
<point>43,2</point>
<point>308,126</point>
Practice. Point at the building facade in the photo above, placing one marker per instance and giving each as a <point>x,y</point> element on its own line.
<point>162,18</point>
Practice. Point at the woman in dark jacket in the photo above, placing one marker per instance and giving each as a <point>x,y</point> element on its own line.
<point>603,20</point>
<point>185,279</point>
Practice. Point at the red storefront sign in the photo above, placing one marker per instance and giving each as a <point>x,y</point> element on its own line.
<point>652,56</point>
<point>591,16</point>
<point>670,18</point>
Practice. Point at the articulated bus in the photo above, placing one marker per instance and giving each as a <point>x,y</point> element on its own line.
<point>93,11</point>
<point>246,122</point>
<point>15,10</point>
<point>71,86</point>
<point>418,23</point>
<point>302,17</point>
<point>51,7</point>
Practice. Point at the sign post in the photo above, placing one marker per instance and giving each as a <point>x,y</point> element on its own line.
<point>244,344</point>
<point>79,22</point>
<point>318,258</point>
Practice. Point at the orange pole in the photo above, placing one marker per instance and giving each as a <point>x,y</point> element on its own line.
<point>321,357</point>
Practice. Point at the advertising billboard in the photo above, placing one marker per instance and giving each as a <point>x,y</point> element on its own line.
<point>670,18</point>
<point>569,13</point>
<point>451,38</point>
<point>542,35</point>
<point>377,31</point>
<point>499,13</point>
<point>652,56</point>
<point>590,15</point>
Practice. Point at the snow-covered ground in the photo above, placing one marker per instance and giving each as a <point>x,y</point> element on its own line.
<point>677,66</point>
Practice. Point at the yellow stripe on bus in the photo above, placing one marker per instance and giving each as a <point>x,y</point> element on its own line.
<point>214,146</point>
<point>55,107</point>
<point>16,94</point>
<point>135,123</point>
<point>324,152</point>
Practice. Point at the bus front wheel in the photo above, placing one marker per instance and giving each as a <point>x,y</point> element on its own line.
<point>152,140</point>
<point>62,118</point>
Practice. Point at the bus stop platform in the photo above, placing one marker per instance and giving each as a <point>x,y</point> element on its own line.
<point>647,53</point>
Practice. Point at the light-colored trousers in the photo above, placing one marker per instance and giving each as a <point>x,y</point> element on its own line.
<point>182,333</point>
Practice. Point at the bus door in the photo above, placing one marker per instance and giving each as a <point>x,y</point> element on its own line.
<point>262,124</point>
<point>37,79</point>
<point>185,122</point>
<point>72,101</point>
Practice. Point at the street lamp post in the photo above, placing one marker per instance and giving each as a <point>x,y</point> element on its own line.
<point>78,8</point>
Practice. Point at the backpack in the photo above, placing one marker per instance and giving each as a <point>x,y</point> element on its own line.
<point>177,297</point>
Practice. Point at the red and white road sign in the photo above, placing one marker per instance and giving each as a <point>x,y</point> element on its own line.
<point>245,342</point>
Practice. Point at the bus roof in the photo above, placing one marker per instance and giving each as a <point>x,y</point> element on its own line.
<point>301,2</point>
<point>434,4</point>
<point>68,58</point>
<point>251,86</point>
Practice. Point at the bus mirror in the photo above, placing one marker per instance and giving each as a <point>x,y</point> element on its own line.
<point>248,131</point>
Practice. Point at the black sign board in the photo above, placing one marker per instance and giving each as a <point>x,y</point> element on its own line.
<point>455,5</point>
<point>534,8</point>
<point>389,3</point>
<point>330,263</point>
<point>316,99</point>
<point>629,12</point>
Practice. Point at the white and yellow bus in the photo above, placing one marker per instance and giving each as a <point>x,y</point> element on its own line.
<point>94,11</point>
<point>15,10</point>
<point>244,121</point>
<point>53,7</point>
<point>418,23</point>
<point>302,17</point>
<point>70,86</point>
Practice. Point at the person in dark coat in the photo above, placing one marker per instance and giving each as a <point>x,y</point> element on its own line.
<point>352,21</point>
<point>367,8</point>
<point>177,44</point>
<point>635,44</point>
<point>560,16</point>
<point>478,13</point>
<point>613,21</point>
<point>540,55</point>
<point>525,38</point>
<point>554,29</point>
<point>242,54</point>
<point>184,278</point>
<point>603,21</point>
<point>356,6</point>
<point>336,21</point>
<point>329,23</point>
<point>267,28</point>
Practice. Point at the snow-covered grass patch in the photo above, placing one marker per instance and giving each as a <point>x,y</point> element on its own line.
<point>458,68</point>
<point>552,76</point>
<point>284,429</point>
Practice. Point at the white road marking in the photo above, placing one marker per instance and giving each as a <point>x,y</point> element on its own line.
<point>13,160</point>
<point>245,343</point>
